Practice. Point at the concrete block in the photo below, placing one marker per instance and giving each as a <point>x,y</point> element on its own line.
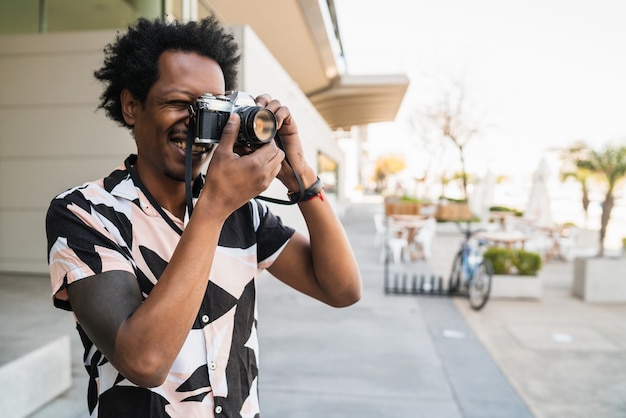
<point>32,380</point>
<point>509,286</point>
<point>600,279</point>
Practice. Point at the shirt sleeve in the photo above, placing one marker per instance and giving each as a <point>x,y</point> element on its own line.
<point>79,245</point>
<point>272,235</point>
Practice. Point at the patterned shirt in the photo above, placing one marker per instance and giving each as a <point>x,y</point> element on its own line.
<point>109,225</point>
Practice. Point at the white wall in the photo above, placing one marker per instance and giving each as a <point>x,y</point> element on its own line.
<point>52,137</point>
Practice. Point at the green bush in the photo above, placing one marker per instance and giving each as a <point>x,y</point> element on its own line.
<point>512,261</point>
<point>453,200</point>
<point>411,199</point>
<point>526,262</point>
<point>514,211</point>
<point>500,259</point>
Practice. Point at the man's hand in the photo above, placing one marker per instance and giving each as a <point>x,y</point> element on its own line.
<point>288,131</point>
<point>233,179</point>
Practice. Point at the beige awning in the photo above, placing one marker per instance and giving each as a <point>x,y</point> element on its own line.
<point>295,32</point>
<point>361,100</point>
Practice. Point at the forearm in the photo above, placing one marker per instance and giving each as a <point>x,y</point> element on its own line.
<point>333,262</point>
<point>148,342</point>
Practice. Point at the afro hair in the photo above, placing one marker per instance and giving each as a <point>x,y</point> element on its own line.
<point>131,61</point>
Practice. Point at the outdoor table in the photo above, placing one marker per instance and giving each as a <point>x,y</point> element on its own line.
<point>411,223</point>
<point>504,239</point>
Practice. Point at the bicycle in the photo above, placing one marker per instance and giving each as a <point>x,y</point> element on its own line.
<point>471,269</point>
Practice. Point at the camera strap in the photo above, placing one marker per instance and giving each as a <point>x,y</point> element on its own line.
<point>300,198</point>
<point>188,179</point>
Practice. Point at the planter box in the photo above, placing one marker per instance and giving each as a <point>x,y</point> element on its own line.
<point>396,206</point>
<point>598,279</point>
<point>513,286</point>
<point>453,212</point>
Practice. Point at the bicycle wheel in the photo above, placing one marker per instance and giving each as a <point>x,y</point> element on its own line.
<point>479,285</point>
<point>454,282</point>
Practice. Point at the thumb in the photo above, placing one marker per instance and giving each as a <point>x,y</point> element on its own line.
<point>230,132</point>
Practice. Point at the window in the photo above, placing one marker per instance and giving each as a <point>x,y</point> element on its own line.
<point>31,16</point>
<point>328,170</point>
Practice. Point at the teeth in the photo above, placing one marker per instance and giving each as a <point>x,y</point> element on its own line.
<point>194,148</point>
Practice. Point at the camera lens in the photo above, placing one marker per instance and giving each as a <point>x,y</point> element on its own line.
<point>258,125</point>
<point>264,125</point>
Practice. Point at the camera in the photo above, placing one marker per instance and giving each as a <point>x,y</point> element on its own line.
<point>210,113</point>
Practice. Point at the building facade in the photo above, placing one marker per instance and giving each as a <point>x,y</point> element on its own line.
<point>52,137</point>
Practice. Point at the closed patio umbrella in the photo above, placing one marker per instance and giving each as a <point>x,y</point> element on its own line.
<point>483,197</point>
<point>538,210</point>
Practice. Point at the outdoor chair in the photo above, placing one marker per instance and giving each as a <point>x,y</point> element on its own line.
<point>424,237</point>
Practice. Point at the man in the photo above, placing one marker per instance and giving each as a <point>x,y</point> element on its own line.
<point>165,303</point>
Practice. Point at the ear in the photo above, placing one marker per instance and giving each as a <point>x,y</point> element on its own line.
<point>129,105</point>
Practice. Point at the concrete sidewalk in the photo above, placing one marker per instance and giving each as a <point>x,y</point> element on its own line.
<point>384,357</point>
<point>395,355</point>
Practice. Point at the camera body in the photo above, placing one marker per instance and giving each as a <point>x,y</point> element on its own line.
<point>210,113</point>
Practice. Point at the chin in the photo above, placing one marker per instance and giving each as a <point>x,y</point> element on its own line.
<point>177,176</point>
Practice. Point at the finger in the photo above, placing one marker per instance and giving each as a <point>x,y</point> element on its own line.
<point>230,132</point>
<point>274,105</point>
<point>277,169</point>
<point>265,159</point>
<point>276,158</point>
<point>263,155</point>
<point>274,164</point>
<point>285,123</point>
<point>263,100</point>
<point>282,112</point>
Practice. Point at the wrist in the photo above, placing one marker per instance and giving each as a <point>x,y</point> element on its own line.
<point>307,175</point>
<point>314,190</point>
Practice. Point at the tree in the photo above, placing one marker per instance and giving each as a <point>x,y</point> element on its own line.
<point>452,119</point>
<point>431,146</point>
<point>571,170</point>
<point>610,164</point>
<point>386,166</point>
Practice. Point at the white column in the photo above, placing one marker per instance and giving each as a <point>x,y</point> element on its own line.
<point>190,10</point>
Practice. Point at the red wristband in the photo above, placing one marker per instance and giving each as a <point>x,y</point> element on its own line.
<point>319,194</point>
<point>309,193</point>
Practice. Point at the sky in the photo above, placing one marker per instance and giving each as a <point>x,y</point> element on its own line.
<point>539,74</point>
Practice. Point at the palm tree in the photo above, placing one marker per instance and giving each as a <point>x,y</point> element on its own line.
<point>582,175</point>
<point>610,164</point>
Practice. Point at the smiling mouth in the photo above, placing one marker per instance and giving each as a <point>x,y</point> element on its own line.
<point>195,148</point>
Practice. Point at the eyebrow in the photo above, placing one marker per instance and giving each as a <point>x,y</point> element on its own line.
<point>184,92</point>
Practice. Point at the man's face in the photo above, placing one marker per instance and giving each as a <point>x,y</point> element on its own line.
<point>160,124</point>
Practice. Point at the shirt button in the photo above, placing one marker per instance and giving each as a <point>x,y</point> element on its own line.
<point>205,319</point>
<point>212,365</point>
<point>218,409</point>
